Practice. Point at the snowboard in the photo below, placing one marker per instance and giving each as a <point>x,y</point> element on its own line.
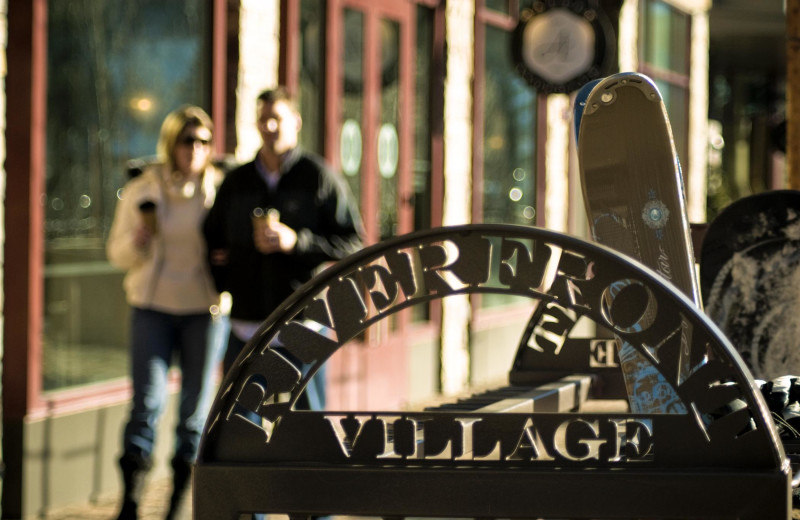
<point>634,197</point>
<point>750,279</point>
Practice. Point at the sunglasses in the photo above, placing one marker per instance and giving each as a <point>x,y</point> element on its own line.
<point>189,140</point>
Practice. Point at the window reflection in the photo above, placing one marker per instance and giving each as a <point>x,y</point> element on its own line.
<point>115,69</point>
<point>312,42</point>
<point>664,54</point>
<point>353,102</point>
<point>388,142</point>
<point>509,139</point>
<point>423,119</point>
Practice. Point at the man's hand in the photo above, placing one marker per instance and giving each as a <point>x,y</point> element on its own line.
<point>273,236</point>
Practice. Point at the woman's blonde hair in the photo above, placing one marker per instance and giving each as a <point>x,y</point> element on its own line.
<point>172,127</point>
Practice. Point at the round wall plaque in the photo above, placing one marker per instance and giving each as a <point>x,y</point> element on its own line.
<point>560,45</point>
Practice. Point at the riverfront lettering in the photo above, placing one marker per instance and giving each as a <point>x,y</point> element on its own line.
<point>565,280</point>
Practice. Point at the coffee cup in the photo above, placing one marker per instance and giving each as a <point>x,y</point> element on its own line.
<point>149,217</point>
<point>264,217</point>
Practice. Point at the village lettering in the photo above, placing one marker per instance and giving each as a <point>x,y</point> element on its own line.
<point>575,439</point>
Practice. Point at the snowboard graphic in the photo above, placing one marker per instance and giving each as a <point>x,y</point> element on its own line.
<point>634,197</point>
<point>750,279</point>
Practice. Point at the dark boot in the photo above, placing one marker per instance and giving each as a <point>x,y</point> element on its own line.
<point>134,470</point>
<point>181,479</point>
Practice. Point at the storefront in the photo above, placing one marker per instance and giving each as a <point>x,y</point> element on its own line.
<point>419,103</point>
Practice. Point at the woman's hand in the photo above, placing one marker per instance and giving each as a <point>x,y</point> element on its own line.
<point>142,237</point>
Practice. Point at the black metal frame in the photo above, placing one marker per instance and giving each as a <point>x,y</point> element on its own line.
<point>720,459</point>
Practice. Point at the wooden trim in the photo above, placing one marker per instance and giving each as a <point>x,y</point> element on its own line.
<point>541,159</point>
<point>219,63</point>
<point>405,124</point>
<point>231,75</point>
<point>333,86</point>
<point>97,395</point>
<point>433,4</point>
<point>478,95</point>
<point>289,63</point>
<point>497,19</point>
<point>437,115</point>
<point>405,188</point>
<point>793,93</point>
<point>390,9</point>
<point>671,77</point>
<point>369,124</point>
<point>23,280</point>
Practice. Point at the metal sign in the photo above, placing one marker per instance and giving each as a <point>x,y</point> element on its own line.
<point>258,455</point>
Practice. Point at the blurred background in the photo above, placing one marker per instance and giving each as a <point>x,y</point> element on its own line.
<point>437,113</point>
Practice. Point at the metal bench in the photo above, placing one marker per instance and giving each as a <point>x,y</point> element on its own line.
<point>514,457</point>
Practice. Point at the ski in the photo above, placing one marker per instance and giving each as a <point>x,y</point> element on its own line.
<point>634,197</point>
<point>580,105</point>
<point>750,279</point>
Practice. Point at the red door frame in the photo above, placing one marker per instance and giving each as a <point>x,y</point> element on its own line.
<point>356,369</point>
<point>23,280</point>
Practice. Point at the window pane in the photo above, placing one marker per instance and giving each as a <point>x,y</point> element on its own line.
<point>115,69</point>
<point>664,51</point>
<point>350,139</point>
<point>388,141</point>
<point>665,37</point>
<point>422,119</point>
<point>509,184</point>
<point>312,54</point>
<point>509,139</point>
<point>498,5</point>
<point>675,99</point>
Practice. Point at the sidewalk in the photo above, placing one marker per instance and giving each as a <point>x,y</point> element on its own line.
<point>154,505</point>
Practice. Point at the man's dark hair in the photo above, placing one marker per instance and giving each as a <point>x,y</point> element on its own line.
<point>277,94</point>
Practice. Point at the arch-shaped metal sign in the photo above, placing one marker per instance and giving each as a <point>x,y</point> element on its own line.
<point>719,456</point>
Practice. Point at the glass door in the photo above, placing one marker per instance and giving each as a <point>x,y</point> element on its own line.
<point>369,102</point>
<point>372,107</point>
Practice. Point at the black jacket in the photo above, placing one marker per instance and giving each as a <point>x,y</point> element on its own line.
<point>312,200</point>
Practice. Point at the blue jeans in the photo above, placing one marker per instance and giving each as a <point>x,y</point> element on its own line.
<point>157,338</point>
<point>313,398</point>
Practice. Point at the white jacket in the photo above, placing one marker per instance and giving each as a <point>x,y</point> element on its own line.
<point>171,274</point>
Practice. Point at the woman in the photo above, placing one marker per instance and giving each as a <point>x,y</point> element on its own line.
<point>156,238</point>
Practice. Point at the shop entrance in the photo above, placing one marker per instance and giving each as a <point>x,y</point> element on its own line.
<point>369,118</point>
<point>369,126</point>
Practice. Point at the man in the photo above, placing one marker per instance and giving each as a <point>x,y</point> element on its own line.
<point>274,221</point>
